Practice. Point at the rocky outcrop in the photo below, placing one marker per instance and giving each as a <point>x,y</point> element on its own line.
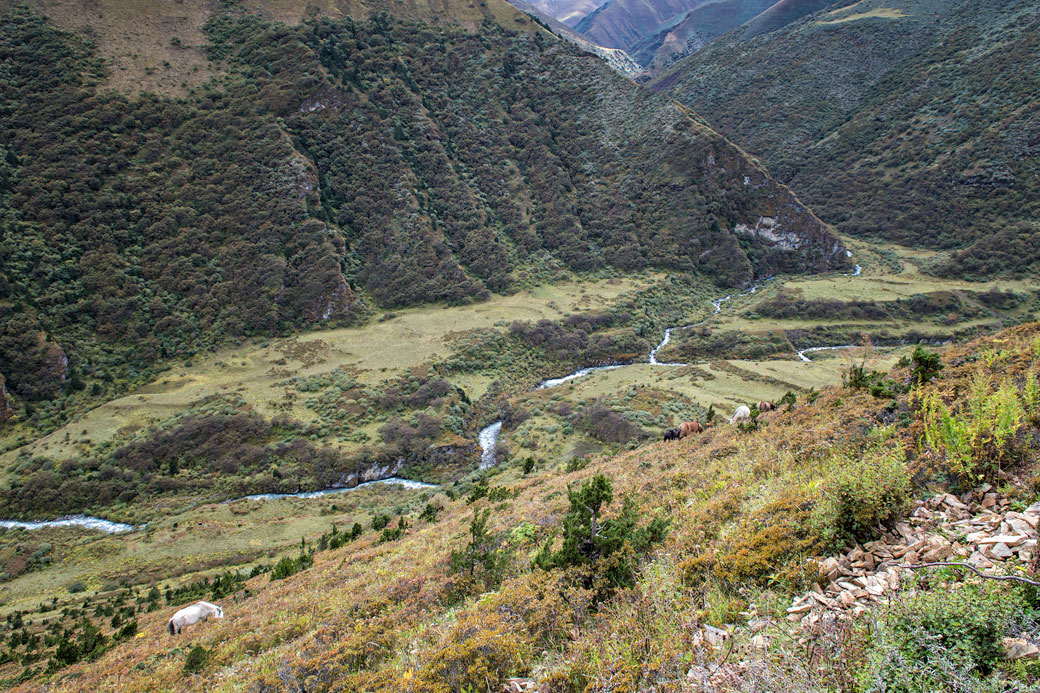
<point>440,458</point>
<point>6,413</point>
<point>977,529</point>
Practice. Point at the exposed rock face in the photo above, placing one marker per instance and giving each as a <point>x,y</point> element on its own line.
<point>440,457</point>
<point>5,402</point>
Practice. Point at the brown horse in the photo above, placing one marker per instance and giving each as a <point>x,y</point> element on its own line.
<point>690,427</point>
<point>766,406</point>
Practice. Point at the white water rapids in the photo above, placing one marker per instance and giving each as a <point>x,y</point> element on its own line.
<point>488,438</point>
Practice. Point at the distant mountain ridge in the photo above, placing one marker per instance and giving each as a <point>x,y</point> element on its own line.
<point>915,122</point>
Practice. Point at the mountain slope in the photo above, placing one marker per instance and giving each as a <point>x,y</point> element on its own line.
<point>569,12</point>
<point>694,30</point>
<point>622,23</point>
<point>916,122</point>
<point>467,593</point>
<point>338,161</point>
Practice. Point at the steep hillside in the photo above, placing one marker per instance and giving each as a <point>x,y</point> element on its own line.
<point>622,23</point>
<point>797,552</point>
<point>159,45</point>
<point>693,30</point>
<point>618,59</point>
<point>569,12</point>
<point>337,162</point>
<point>910,121</point>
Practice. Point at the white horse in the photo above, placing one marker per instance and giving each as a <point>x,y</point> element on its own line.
<point>741,414</point>
<point>190,615</point>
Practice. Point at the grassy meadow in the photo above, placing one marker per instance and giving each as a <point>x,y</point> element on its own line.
<point>396,615</point>
<point>608,420</point>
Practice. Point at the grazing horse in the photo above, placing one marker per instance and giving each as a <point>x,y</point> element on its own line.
<point>671,434</point>
<point>190,615</point>
<point>766,406</point>
<point>741,414</point>
<point>690,427</point>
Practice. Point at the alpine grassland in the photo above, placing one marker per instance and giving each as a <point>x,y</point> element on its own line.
<point>718,531</point>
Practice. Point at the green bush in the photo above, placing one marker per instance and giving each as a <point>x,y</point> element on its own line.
<point>196,660</point>
<point>926,364</point>
<point>946,639</point>
<point>862,494</point>
<point>611,546</point>
<point>484,559</point>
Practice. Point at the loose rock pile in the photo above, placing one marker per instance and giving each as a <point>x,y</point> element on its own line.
<point>978,529</point>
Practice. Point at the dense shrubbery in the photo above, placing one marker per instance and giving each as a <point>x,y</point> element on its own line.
<point>225,454</point>
<point>862,494</point>
<point>606,425</point>
<point>946,165</point>
<point>788,304</point>
<point>943,639</point>
<point>981,437</point>
<point>419,163</point>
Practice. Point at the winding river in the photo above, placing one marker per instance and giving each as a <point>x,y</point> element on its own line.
<point>109,527</point>
<point>487,438</point>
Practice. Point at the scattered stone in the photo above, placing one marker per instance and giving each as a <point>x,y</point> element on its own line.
<point>1020,648</point>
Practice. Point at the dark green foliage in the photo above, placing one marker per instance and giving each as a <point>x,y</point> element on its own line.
<point>787,401</point>
<point>379,521</point>
<point>394,533</point>
<point>614,544</point>
<point>862,494</point>
<point>429,513</point>
<point>232,454</point>
<point>484,558</point>
<point>196,660</point>
<point>921,130</point>
<point>290,566</point>
<point>926,365</point>
<point>220,586</point>
<point>607,425</point>
<point>136,230</point>
<point>478,491</point>
<point>942,631</point>
<point>385,155</point>
<point>857,377</point>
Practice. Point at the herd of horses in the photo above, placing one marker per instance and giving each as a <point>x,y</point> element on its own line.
<point>688,428</point>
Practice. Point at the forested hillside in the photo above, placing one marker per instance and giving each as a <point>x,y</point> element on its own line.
<point>335,163</point>
<point>915,122</point>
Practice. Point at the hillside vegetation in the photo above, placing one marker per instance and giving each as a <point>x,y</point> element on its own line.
<point>335,166</point>
<point>908,121</point>
<point>697,549</point>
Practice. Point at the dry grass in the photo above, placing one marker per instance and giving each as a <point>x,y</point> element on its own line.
<point>291,632</point>
<point>135,38</point>
<point>376,351</point>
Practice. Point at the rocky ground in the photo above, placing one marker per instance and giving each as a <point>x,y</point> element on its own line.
<point>977,531</point>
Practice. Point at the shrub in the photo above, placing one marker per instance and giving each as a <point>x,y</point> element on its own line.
<point>981,435</point>
<point>290,566</point>
<point>477,652</point>
<point>927,642</point>
<point>77,586</point>
<point>611,546</point>
<point>768,546</point>
<point>862,494</point>
<point>484,559</point>
<point>196,660</point>
<point>926,365</point>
